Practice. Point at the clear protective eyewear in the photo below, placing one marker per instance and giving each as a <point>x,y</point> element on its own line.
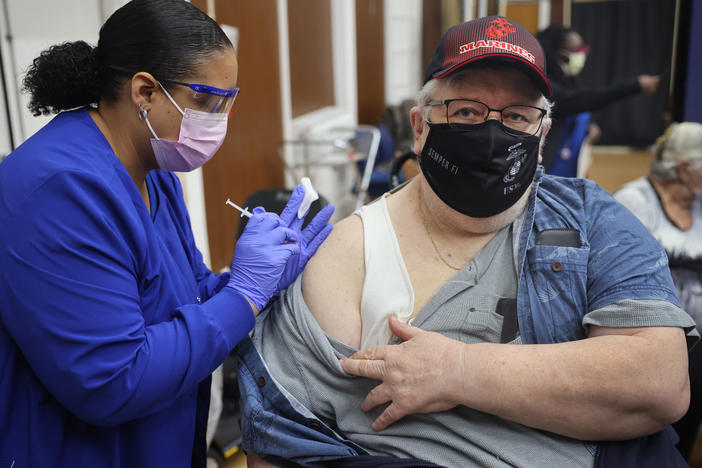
<point>206,98</point>
<point>522,118</point>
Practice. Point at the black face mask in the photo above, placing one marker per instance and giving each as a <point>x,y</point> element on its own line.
<point>479,170</point>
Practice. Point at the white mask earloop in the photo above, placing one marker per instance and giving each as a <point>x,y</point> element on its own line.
<point>143,115</point>
<point>168,95</point>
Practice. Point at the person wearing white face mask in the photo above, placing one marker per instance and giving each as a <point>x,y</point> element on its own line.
<point>669,203</point>
<point>566,55</point>
<point>110,323</point>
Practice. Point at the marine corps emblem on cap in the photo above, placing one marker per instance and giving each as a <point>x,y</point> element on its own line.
<point>499,28</point>
<point>492,37</point>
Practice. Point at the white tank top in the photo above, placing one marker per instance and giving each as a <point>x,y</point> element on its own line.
<point>387,289</point>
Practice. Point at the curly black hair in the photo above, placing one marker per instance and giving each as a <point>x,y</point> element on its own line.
<point>167,38</point>
<point>64,76</point>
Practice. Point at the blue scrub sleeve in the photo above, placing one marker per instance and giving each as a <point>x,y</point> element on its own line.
<point>73,307</point>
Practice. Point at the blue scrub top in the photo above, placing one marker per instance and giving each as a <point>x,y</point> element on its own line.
<point>110,323</point>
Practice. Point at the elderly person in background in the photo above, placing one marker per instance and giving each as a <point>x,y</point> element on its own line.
<point>510,317</point>
<point>668,203</point>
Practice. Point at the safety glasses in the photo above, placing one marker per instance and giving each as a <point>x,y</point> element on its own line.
<point>206,98</point>
<point>209,98</point>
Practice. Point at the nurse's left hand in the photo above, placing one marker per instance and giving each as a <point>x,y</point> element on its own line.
<point>310,239</point>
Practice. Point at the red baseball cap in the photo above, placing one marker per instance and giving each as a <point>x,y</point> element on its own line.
<point>489,38</point>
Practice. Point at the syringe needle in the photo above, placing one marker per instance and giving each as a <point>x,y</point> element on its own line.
<point>244,211</point>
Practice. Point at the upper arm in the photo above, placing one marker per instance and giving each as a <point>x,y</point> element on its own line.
<point>332,282</point>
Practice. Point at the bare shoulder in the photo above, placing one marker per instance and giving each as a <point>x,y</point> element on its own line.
<point>332,282</point>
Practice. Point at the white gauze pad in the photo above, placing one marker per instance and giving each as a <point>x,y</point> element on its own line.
<point>310,196</point>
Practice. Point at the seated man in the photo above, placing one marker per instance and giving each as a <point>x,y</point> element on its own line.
<point>533,313</point>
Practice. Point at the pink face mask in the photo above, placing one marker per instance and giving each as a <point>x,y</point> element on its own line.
<point>201,135</point>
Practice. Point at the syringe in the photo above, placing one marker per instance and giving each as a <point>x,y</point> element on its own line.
<point>244,211</point>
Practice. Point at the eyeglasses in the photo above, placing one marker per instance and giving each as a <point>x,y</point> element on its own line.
<point>207,98</point>
<point>524,119</point>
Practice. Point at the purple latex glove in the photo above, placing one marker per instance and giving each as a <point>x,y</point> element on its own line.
<point>310,239</point>
<point>260,257</point>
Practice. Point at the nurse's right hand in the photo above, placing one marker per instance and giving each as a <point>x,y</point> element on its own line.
<point>260,257</point>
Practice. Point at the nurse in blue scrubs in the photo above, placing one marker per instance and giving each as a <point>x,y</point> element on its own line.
<point>110,323</point>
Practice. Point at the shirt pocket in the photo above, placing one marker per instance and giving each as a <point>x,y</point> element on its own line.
<point>559,283</point>
<point>482,326</point>
<point>471,320</point>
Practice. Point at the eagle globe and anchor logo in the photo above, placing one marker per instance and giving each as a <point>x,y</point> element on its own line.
<point>499,28</point>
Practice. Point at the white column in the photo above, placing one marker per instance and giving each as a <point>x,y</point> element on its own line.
<point>468,10</point>
<point>544,14</point>
<point>482,8</point>
<point>403,49</point>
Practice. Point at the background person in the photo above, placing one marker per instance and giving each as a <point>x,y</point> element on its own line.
<point>110,323</point>
<point>669,204</point>
<point>566,53</point>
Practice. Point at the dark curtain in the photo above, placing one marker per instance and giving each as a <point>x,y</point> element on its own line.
<point>628,38</point>
<point>693,96</point>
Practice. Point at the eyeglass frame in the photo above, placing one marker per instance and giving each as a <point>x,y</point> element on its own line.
<point>206,89</point>
<point>446,103</point>
<point>197,87</point>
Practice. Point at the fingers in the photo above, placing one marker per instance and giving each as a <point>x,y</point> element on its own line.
<point>378,396</point>
<point>369,368</point>
<point>374,352</point>
<point>289,213</point>
<point>317,241</point>
<point>403,330</point>
<point>649,83</point>
<point>284,235</point>
<point>293,249</point>
<point>257,215</point>
<point>391,414</point>
<point>317,224</point>
<point>262,220</point>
